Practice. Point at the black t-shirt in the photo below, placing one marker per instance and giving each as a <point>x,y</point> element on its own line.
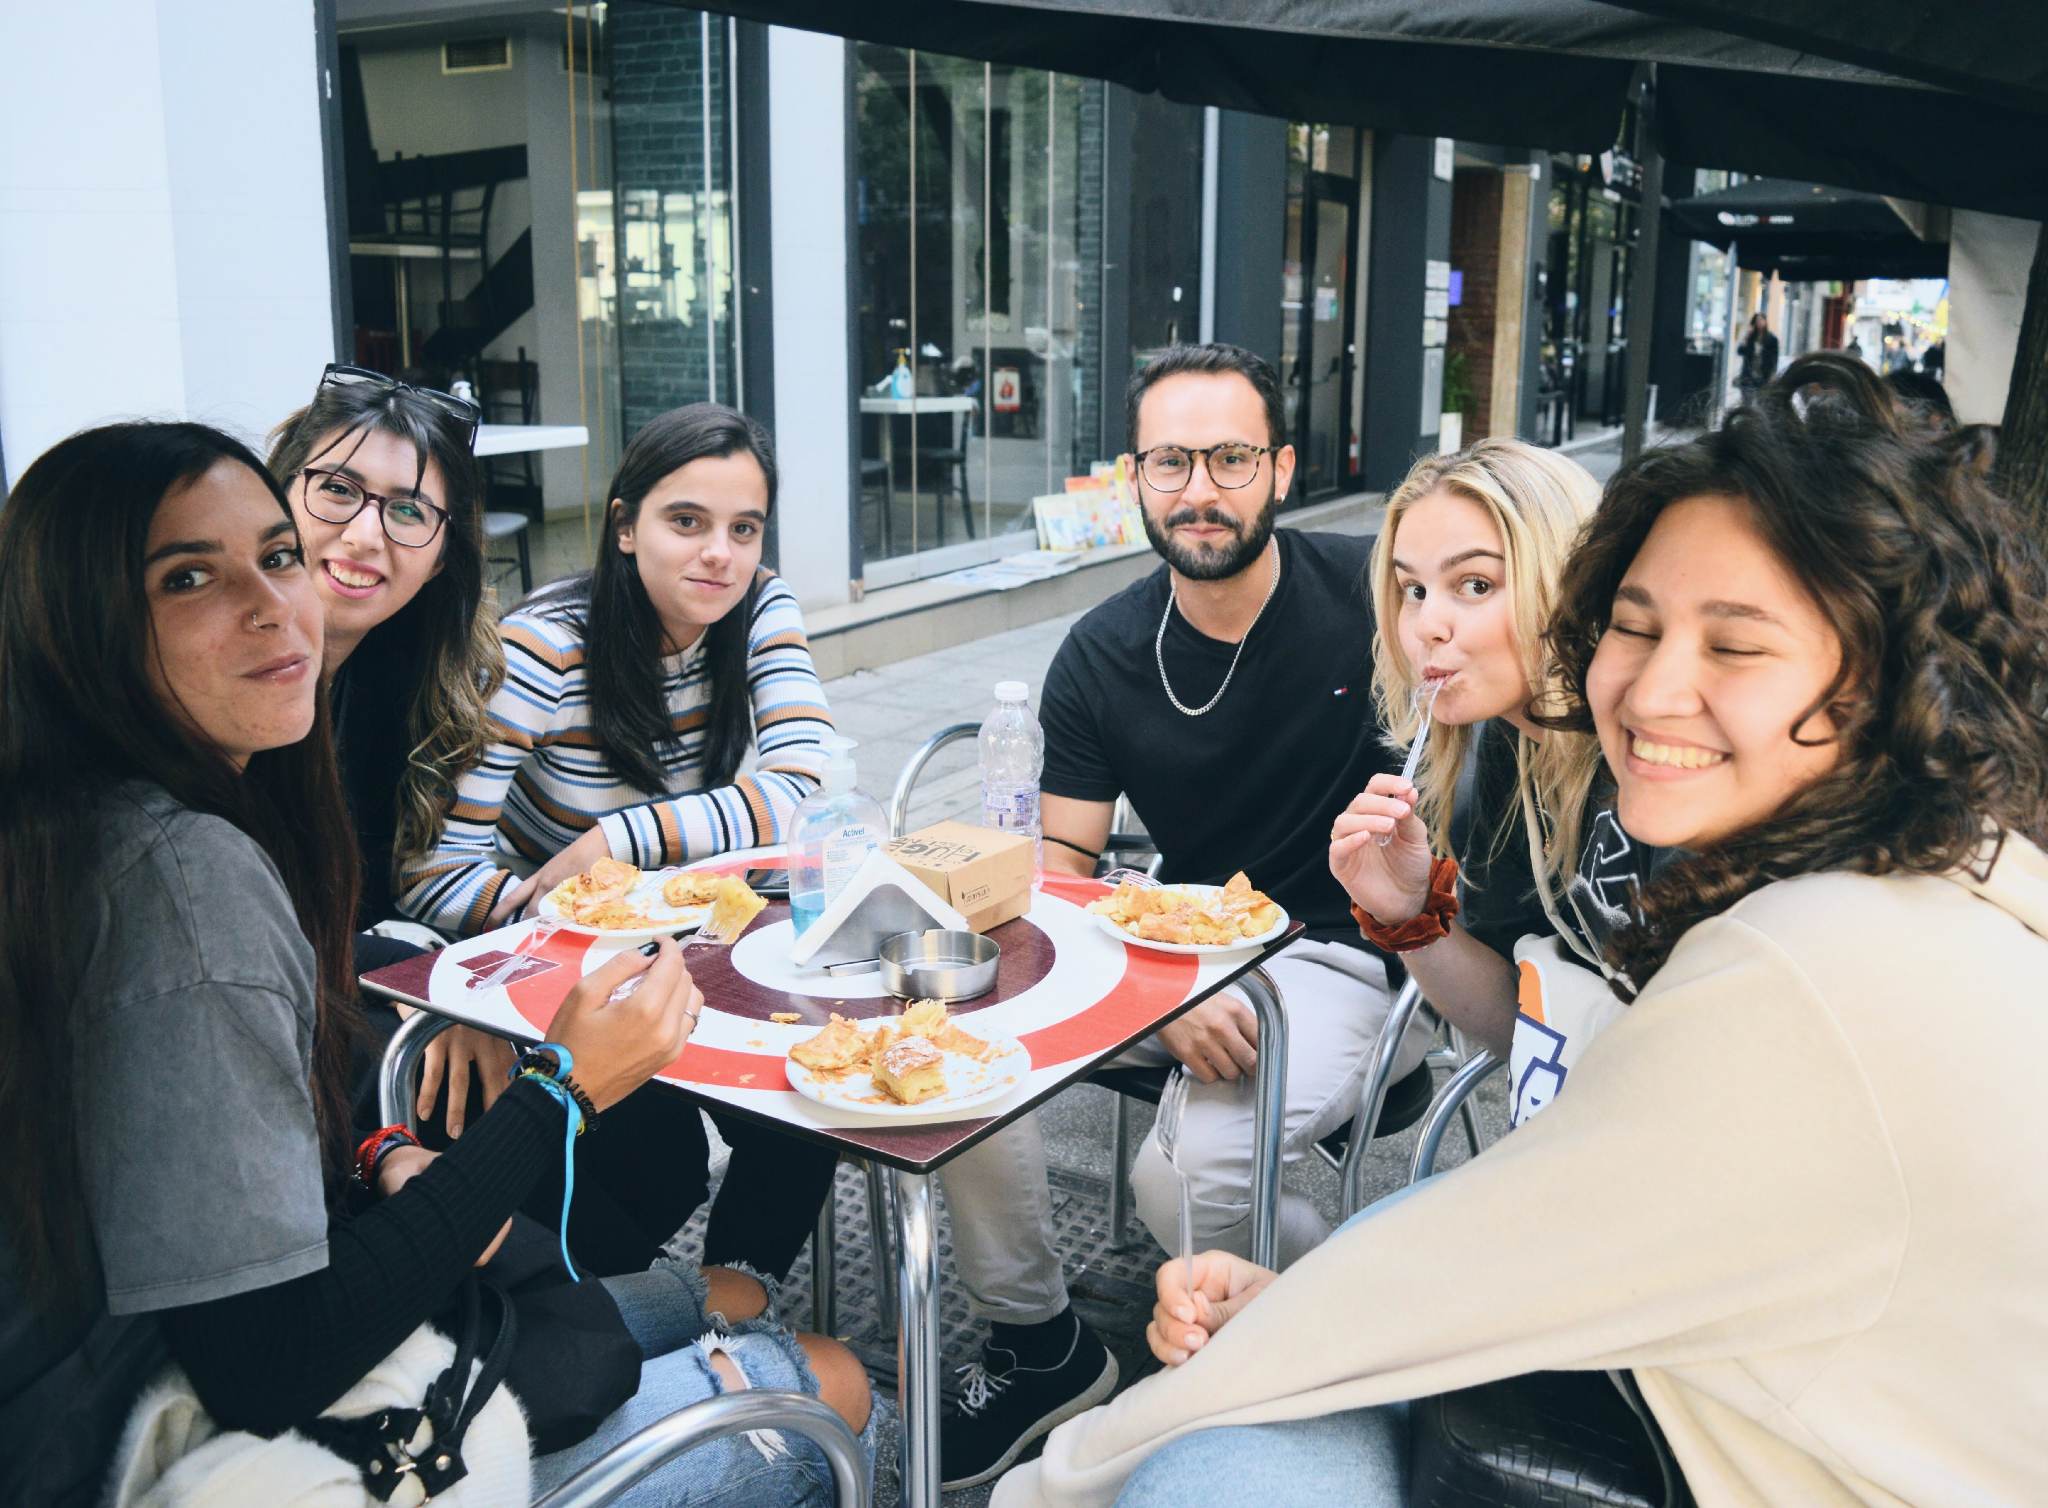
<point>1256,782</point>
<point>1499,903</point>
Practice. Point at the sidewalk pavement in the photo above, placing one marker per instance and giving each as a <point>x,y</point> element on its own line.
<point>892,710</point>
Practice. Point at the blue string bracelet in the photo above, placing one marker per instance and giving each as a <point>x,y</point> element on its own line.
<point>572,1120</point>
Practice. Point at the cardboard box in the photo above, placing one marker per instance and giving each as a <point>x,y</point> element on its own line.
<point>980,872</point>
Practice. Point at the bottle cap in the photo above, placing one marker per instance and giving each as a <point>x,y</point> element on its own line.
<point>1013,691</point>
<point>838,774</point>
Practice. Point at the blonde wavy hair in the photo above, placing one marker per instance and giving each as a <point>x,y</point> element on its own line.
<point>1539,501</point>
<point>440,652</point>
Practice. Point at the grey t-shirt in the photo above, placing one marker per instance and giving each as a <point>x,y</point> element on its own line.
<point>200,1160</point>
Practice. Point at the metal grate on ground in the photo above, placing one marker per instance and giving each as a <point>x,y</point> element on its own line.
<point>1110,1285</point>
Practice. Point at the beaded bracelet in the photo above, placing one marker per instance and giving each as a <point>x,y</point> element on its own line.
<point>376,1146</point>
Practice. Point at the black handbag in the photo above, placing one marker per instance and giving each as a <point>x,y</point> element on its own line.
<point>575,1361</point>
<point>379,1445</point>
<point>1545,1440</point>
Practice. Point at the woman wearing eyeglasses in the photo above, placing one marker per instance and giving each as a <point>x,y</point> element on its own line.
<point>389,502</point>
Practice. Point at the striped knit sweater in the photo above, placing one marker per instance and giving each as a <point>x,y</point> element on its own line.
<point>544,781</point>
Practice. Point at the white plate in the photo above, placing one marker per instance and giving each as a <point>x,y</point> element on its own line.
<point>663,920</point>
<point>969,1083</point>
<point>1239,946</point>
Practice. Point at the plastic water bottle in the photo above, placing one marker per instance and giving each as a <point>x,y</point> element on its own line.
<point>1012,757</point>
<point>834,830</point>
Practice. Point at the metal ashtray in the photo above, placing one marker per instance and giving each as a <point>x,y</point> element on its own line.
<point>939,965</point>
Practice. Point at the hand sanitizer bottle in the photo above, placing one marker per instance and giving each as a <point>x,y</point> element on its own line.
<point>901,383</point>
<point>835,828</point>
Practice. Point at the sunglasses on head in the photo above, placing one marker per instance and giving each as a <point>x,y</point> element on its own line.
<point>461,410</point>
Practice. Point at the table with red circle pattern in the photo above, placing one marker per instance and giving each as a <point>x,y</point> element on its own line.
<point>1068,991</point>
<point>1071,994</point>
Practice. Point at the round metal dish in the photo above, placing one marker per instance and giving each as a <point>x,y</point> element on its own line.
<point>939,965</point>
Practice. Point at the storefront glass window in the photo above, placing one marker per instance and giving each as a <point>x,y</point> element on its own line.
<point>971,210</point>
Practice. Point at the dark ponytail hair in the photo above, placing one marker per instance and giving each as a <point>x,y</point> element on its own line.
<point>78,716</point>
<point>622,636</point>
<point>1941,703</point>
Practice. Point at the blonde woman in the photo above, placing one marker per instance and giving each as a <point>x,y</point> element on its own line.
<point>1464,578</point>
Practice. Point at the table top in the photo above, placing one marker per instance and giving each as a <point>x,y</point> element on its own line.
<point>1072,995</point>
<point>950,403</point>
<point>512,439</point>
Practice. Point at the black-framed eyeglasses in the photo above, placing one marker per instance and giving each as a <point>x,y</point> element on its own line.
<point>336,499</point>
<point>464,412</point>
<point>1166,468</point>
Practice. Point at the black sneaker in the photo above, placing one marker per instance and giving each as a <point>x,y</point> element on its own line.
<point>1006,1403</point>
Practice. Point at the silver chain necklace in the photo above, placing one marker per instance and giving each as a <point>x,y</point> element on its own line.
<point>1159,645</point>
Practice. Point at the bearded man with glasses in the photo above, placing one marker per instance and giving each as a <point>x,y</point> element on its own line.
<point>1228,695</point>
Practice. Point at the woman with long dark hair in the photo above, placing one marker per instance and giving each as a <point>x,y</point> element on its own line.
<point>389,501</point>
<point>636,692</point>
<point>1783,1190</point>
<point>633,698</point>
<point>177,899</point>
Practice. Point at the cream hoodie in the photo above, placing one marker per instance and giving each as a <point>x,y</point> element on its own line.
<point>1800,1188</point>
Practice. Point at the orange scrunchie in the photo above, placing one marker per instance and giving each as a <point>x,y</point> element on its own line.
<point>1426,926</point>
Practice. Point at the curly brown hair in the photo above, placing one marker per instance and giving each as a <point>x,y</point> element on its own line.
<point>1941,701</point>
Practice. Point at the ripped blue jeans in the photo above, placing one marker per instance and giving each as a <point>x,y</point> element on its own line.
<point>664,1308</point>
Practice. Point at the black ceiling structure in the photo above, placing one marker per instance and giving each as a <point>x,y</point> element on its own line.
<point>1555,74</point>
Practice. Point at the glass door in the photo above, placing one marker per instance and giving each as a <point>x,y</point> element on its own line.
<point>1326,353</point>
<point>1318,349</point>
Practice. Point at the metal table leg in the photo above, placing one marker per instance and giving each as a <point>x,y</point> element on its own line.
<point>824,1268</point>
<point>880,1224</point>
<point>1269,1113</point>
<point>917,1338</point>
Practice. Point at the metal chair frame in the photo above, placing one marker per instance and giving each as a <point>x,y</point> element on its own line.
<point>397,1099</point>
<point>713,1419</point>
<point>604,1479</point>
<point>1454,1097</point>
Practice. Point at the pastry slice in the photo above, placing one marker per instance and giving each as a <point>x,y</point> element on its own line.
<point>928,1019</point>
<point>608,880</point>
<point>840,1046</point>
<point>693,887</point>
<point>734,908</point>
<point>911,1071</point>
<point>607,916</point>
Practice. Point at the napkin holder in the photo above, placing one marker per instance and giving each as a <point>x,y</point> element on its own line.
<point>882,899</point>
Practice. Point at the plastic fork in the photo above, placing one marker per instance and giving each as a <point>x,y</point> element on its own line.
<point>1173,1101</point>
<point>504,969</point>
<point>1426,700</point>
<point>1136,877</point>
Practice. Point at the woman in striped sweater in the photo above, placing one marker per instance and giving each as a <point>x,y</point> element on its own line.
<point>632,697</point>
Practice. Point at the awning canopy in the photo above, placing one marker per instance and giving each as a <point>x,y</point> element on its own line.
<point>1802,232</point>
<point>1537,73</point>
<point>1988,49</point>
